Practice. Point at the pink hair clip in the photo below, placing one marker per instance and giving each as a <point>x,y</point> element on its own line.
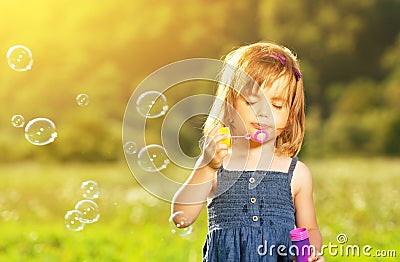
<point>282,59</point>
<point>297,73</point>
<point>279,57</point>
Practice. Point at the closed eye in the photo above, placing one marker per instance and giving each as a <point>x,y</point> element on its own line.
<point>277,103</point>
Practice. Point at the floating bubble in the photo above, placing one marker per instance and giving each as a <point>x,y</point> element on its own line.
<point>82,100</point>
<point>152,104</point>
<point>201,142</point>
<point>90,189</point>
<point>153,158</point>
<point>180,224</point>
<point>130,147</point>
<point>40,131</point>
<point>19,58</point>
<point>18,121</point>
<point>73,220</point>
<point>89,209</point>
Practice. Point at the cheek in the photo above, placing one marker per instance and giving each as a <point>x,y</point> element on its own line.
<point>280,118</point>
<point>245,111</point>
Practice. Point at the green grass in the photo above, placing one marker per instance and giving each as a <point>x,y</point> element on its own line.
<point>358,197</point>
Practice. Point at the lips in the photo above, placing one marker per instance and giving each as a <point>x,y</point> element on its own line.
<point>260,126</point>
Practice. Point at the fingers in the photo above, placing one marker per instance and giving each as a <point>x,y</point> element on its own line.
<point>316,258</point>
<point>214,130</point>
<point>214,149</point>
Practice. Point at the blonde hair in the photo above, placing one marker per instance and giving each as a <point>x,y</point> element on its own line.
<point>262,64</point>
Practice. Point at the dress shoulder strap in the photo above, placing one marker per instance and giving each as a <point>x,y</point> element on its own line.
<point>293,165</point>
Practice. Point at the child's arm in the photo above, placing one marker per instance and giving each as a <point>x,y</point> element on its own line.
<point>191,197</point>
<point>304,204</point>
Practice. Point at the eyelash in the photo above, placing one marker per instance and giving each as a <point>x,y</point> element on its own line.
<point>274,105</point>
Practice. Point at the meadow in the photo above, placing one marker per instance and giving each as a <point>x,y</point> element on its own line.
<point>354,196</point>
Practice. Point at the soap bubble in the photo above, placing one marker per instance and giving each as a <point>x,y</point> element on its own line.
<point>17,121</point>
<point>90,189</point>
<point>201,142</point>
<point>162,81</point>
<point>180,224</point>
<point>130,147</point>
<point>153,158</point>
<point>40,131</point>
<point>82,100</point>
<point>19,58</point>
<point>152,104</point>
<point>89,209</point>
<point>73,220</point>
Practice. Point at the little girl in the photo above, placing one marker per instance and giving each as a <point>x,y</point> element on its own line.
<point>256,189</point>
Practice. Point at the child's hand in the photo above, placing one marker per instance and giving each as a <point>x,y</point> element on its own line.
<point>214,149</point>
<point>316,259</point>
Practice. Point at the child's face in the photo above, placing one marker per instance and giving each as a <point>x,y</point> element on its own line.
<point>264,109</point>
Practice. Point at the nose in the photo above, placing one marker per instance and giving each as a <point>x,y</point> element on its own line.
<point>264,112</point>
<point>262,109</point>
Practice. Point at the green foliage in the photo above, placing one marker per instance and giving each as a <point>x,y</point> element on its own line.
<point>106,49</point>
<point>333,38</point>
<point>364,122</point>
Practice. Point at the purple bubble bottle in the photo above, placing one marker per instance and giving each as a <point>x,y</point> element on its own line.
<point>300,239</point>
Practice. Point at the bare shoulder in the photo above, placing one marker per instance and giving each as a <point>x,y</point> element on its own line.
<point>301,170</point>
<point>302,178</point>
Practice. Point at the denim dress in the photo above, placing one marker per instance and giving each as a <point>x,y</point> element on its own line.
<point>250,217</point>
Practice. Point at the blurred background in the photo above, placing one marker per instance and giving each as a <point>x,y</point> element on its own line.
<point>350,60</point>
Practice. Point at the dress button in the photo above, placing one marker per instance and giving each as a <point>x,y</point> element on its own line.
<point>253,200</point>
<point>252,180</point>
<point>255,218</point>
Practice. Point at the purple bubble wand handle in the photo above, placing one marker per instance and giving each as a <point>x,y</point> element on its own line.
<point>300,239</point>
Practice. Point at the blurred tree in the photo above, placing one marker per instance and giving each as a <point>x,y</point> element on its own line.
<point>106,49</point>
<point>339,40</point>
<point>391,62</point>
